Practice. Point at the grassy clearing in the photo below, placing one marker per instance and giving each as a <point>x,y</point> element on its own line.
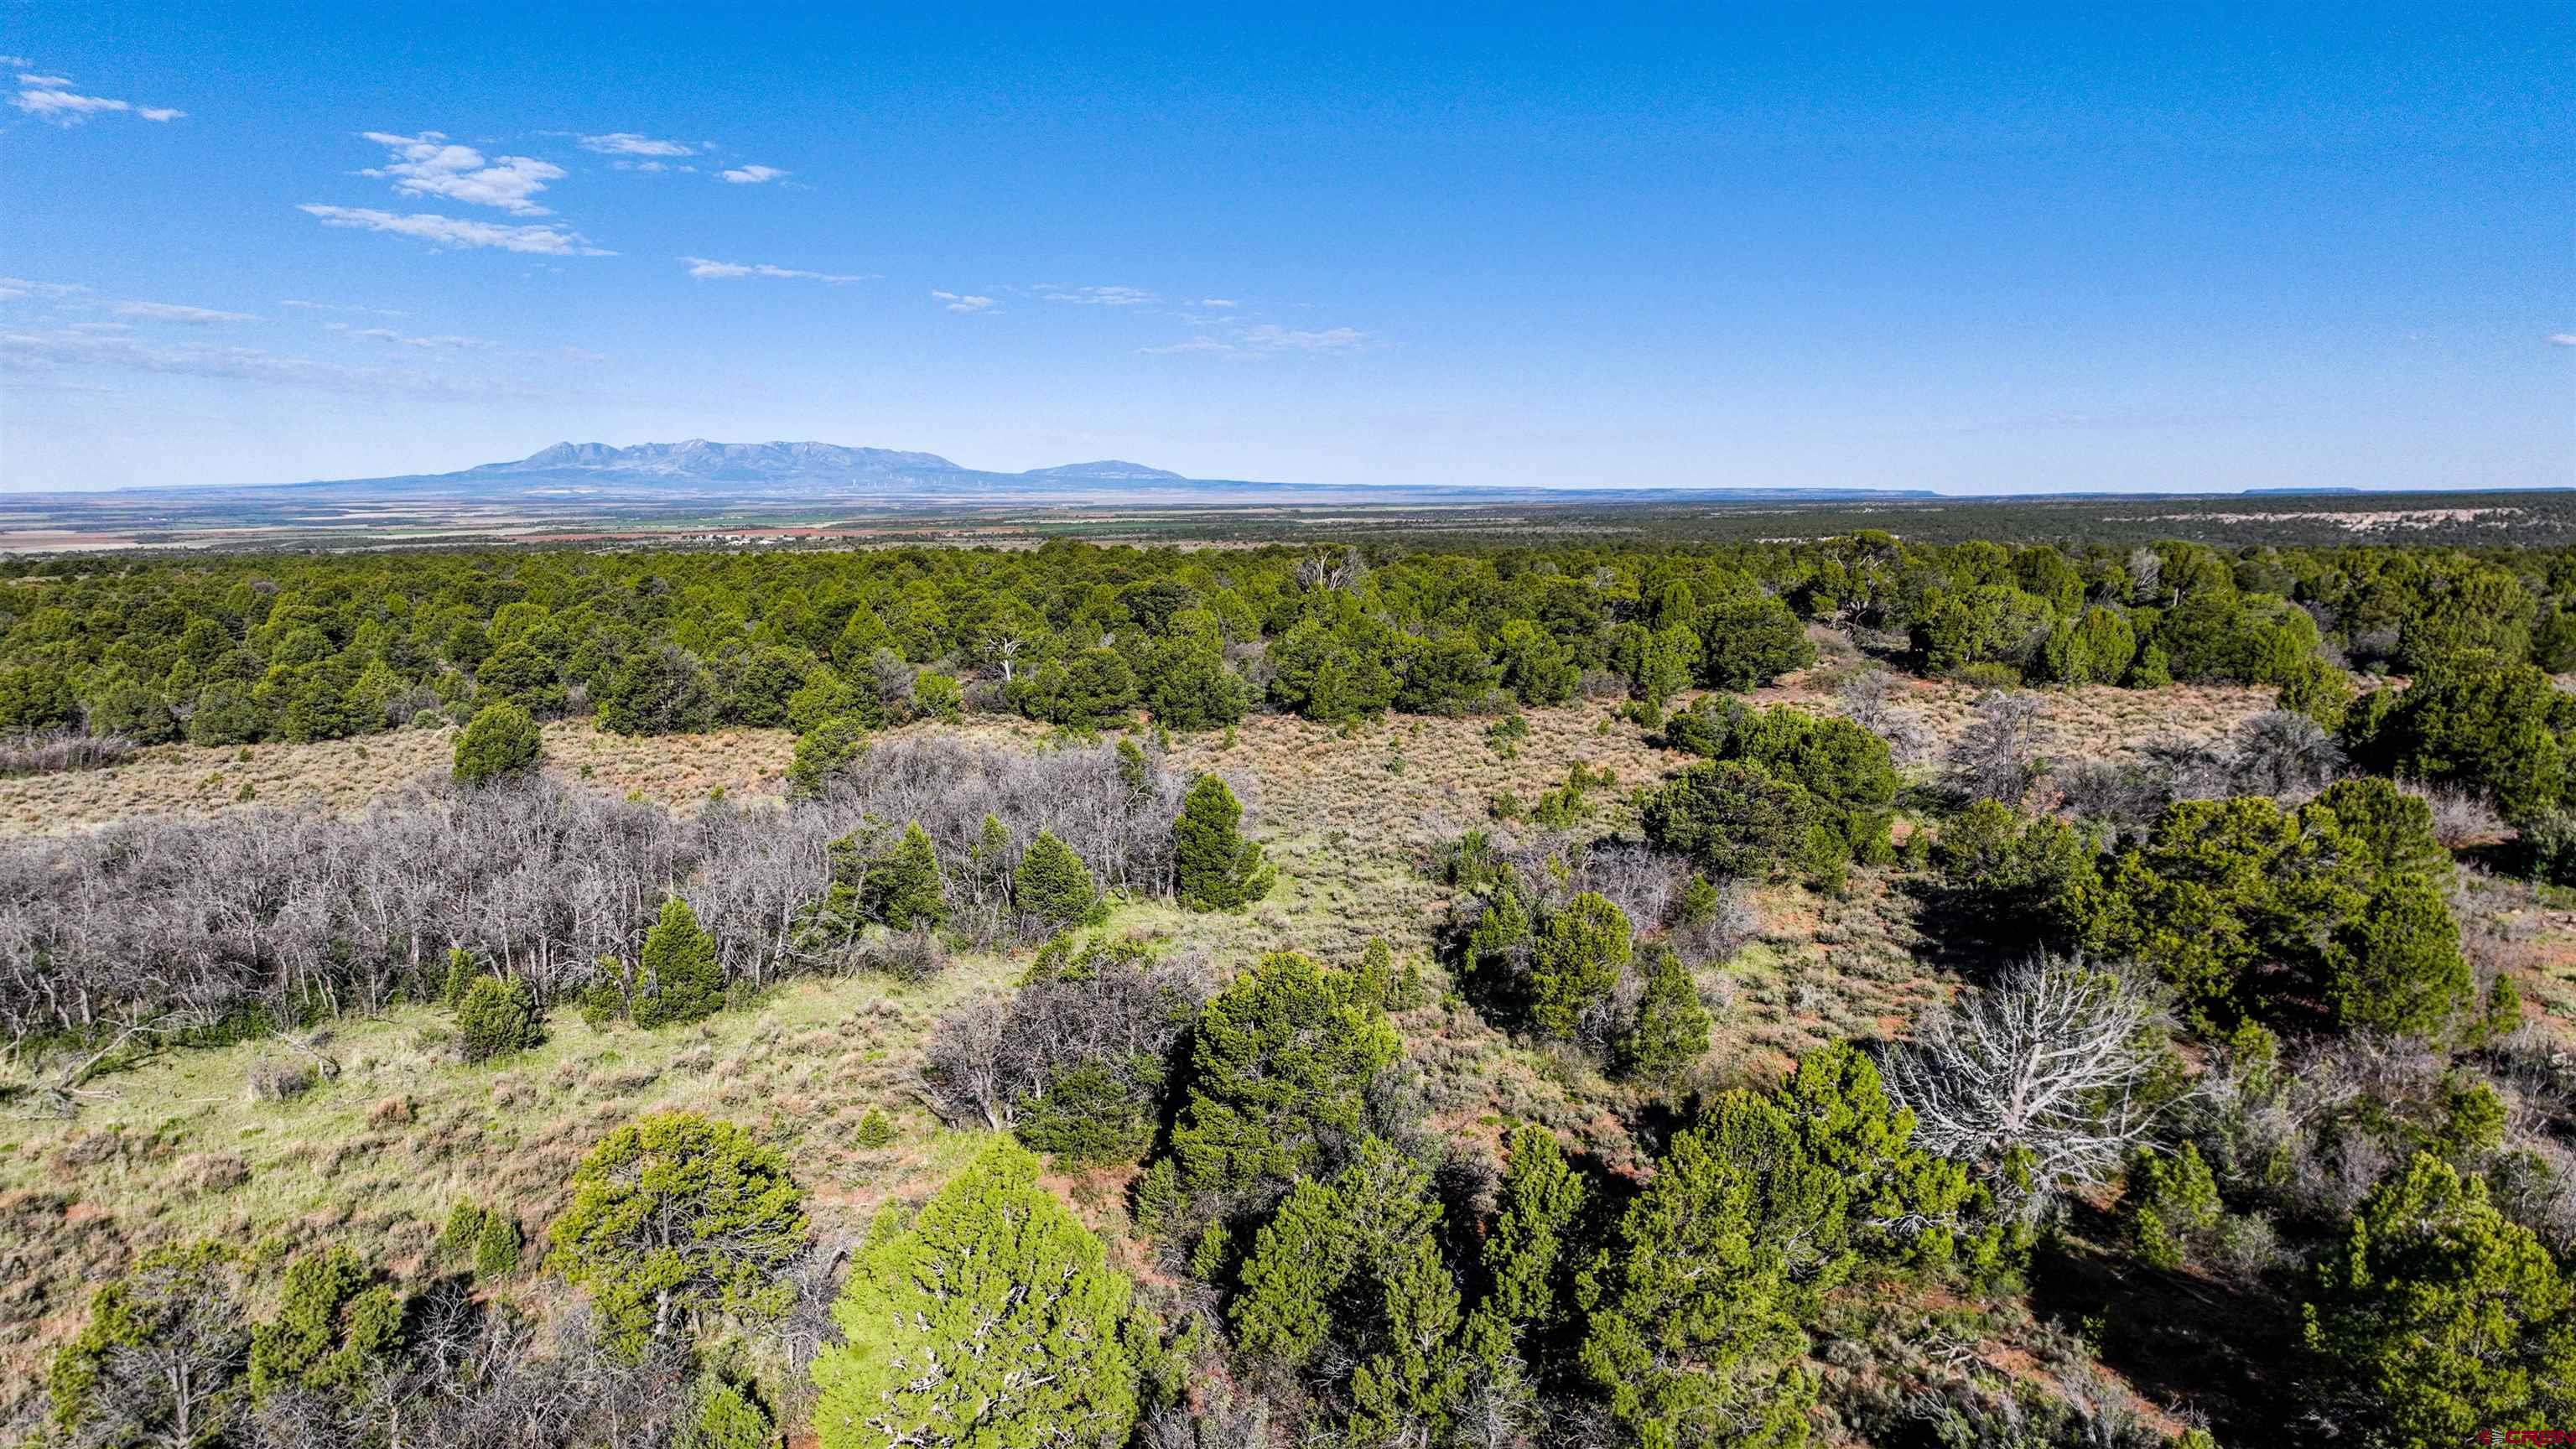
<point>1368,780</point>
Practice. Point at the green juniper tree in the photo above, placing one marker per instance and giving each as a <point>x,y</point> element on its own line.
<point>163,1357</point>
<point>674,1218</point>
<point>683,981</point>
<point>1671,1029</point>
<point>502,741</point>
<point>496,1246</point>
<point>991,1318</point>
<point>1280,1064</point>
<point>904,888</point>
<point>2439,1318</point>
<point>1214,867</point>
<point>832,746</point>
<point>1690,1331</point>
<point>1356,1265</point>
<point>2170,1207</point>
<point>1577,956</point>
<point>1051,887</point>
<point>497,1017</point>
<point>726,1417</point>
<point>338,1333</point>
<point>1527,1250</point>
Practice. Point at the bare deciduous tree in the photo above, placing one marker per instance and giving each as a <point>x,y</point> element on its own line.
<point>1998,756</point>
<point>1326,570</point>
<point>2461,816</point>
<point>990,1057</point>
<point>291,910</point>
<point>2051,1060</point>
<point>1867,700</point>
<point>2146,571</point>
<point>2284,754</point>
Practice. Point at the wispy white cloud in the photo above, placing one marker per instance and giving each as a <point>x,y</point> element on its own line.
<point>750,175</point>
<point>431,165</point>
<point>1218,302</point>
<point>446,231</point>
<point>964,302</point>
<point>442,342</point>
<point>39,352</point>
<point>1268,338</point>
<point>70,108</point>
<point>173,312</point>
<point>707,270</point>
<point>1099,296</point>
<point>12,288</point>
<point>50,97</point>
<point>2563,339</point>
<point>304,306</point>
<point>628,143</point>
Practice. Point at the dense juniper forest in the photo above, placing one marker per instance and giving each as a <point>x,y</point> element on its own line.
<point>1838,1047</point>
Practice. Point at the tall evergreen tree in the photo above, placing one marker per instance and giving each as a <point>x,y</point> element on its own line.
<point>1671,1030</point>
<point>1215,868</point>
<point>682,979</point>
<point>1052,888</point>
<point>905,889</point>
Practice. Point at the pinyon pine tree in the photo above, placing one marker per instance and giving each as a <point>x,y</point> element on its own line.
<point>683,980</point>
<point>1216,869</point>
<point>501,740</point>
<point>991,1319</point>
<point>1052,888</point>
<point>2443,1318</point>
<point>1671,1030</point>
<point>905,889</point>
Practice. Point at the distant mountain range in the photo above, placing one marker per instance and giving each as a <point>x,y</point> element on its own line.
<point>766,492</point>
<point>829,472</point>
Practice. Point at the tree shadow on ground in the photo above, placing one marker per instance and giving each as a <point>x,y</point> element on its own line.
<point>2183,1340</point>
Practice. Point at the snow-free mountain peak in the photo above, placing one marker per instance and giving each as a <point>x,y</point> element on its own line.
<point>1105,468</point>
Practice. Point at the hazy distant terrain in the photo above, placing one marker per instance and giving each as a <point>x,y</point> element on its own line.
<point>786,493</point>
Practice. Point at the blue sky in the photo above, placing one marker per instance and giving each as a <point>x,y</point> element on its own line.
<point>1990,250</point>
